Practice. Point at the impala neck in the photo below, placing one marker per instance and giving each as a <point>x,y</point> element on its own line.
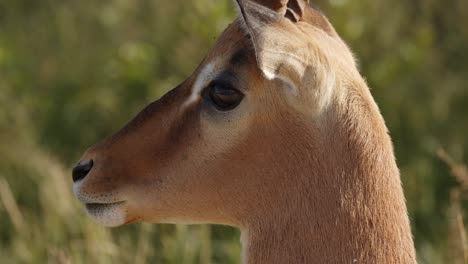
<point>330,240</point>
<point>349,207</point>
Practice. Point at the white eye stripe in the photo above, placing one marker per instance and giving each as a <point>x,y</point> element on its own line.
<point>205,76</point>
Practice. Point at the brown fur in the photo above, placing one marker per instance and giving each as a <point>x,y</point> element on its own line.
<point>306,181</point>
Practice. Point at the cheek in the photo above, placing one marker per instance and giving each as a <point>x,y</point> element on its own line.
<point>220,132</point>
<point>205,149</point>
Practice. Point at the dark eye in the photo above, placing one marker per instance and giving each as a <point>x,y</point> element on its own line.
<point>223,97</point>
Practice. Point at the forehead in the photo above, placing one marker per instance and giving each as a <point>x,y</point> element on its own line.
<point>233,48</point>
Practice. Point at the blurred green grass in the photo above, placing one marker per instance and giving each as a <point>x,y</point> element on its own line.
<point>72,72</point>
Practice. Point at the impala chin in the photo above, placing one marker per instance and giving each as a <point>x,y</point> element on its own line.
<point>107,214</point>
<point>104,209</point>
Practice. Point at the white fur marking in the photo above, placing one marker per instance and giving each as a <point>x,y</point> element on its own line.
<point>200,83</point>
<point>269,75</point>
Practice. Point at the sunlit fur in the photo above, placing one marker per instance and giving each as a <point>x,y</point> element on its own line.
<point>304,166</point>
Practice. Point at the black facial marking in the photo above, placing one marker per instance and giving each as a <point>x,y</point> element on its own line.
<point>240,57</point>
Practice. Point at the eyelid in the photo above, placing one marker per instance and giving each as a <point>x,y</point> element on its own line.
<point>227,79</point>
<point>222,82</point>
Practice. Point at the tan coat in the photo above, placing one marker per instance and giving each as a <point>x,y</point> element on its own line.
<point>304,165</point>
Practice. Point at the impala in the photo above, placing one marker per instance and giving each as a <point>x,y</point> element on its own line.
<point>275,133</point>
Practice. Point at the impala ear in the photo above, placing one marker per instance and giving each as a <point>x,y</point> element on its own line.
<point>291,9</point>
<point>280,46</point>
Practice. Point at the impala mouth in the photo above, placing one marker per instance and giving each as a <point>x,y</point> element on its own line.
<point>108,214</point>
<point>101,206</point>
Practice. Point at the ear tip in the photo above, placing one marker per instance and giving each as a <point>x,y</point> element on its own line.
<point>275,5</point>
<point>272,4</point>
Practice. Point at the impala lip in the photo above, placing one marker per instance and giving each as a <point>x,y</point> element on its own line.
<point>97,206</point>
<point>85,197</point>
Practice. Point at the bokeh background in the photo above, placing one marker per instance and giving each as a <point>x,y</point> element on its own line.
<point>72,72</point>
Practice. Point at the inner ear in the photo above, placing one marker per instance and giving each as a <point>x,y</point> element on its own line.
<point>295,10</point>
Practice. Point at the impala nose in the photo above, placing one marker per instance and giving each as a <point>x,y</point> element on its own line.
<point>81,170</point>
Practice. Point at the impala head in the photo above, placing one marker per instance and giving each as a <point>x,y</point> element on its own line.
<point>219,147</point>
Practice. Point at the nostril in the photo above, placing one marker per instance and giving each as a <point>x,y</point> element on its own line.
<point>81,170</point>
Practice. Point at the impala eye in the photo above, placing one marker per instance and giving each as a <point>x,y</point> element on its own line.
<point>224,97</point>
